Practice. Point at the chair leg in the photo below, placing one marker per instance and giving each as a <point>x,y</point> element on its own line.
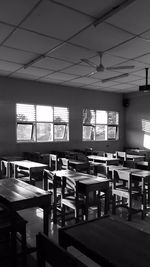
<point>114,204</point>
<point>63,215</point>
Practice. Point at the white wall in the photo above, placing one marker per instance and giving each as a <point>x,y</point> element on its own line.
<point>14,91</point>
<point>137,120</point>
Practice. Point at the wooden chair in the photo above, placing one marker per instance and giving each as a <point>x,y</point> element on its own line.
<point>124,191</point>
<point>10,223</point>
<point>64,163</point>
<point>53,162</point>
<point>86,194</point>
<point>54,186</point>
<point>129,164</point>
<point>122,156</point>
<point>50,252</point>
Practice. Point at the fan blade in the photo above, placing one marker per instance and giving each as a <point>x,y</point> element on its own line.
<point>115,77</point>
<point>92,73</point>
<point>120,67</point>
<point>88,62</point>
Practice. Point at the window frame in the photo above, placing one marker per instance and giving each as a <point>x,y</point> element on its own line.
<point>34,134</point>
<point>94,125</point>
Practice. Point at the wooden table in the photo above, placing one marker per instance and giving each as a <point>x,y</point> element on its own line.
<point>101,159</point>
<point>21,196</point>
<point>5,161</point>
<point>108,242</point>
<point>79,165</point>
<point>135,157</point>
<point>102,183</point>
<point>31,166</point>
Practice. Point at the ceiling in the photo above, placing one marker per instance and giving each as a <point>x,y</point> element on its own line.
<point>45,40</point>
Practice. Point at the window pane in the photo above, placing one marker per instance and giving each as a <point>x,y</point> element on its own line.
<point>24,132</point>
<point>101,132</point>
<point>61,114</point>
<point>113,117</point>
<point>88,133</point>
<point>112,133</point>
<point>61,133</point>
<point>44,132</point>
<point>101,117</point>
<point>88,116</point>
<point>44,113</point>
<point>25,112</point>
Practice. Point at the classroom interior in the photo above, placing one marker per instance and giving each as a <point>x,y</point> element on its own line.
<point>49,53</point>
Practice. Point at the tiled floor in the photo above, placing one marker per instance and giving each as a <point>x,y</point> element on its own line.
<point>34,218</point>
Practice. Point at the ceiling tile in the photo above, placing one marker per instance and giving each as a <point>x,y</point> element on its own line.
<point>71,53</point>
<point>79,70</point>
<point>145,59</point>
<point>16,56</point>
<point>24,76</point>
<point>9,66</point>
<point>84,80</point>
<point>122,86</point>
<point>30,41</point>
<point>34,71</point>
<point>93,8</point>
<point>139,82</point>
<point>14,11</point>
<point>131,49</point>
<point>134,18</point>
<point>5,30</point>
<point>104,74</point>
<point>61,76</point>
<point>51,63</point>
<point>56,21</point>
<point>127,79</point>
<point>105,37</point>
<point>50,80</point>
<point>107,60</point>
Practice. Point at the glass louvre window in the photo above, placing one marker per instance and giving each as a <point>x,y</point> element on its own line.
<point>25,122</point>
<point>100,125</point>
<point>61,124</point>
<point>88,125</point>
<point>36,123</point>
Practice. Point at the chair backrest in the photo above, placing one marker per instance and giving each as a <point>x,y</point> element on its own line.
<point>102,170</point>
<point>121,155</point>
<point>124,176</point>
<point>64,163</point>
<point>52,180</point>
<point>49,251</point>
<point>53,162</point>
<point>129,163</point>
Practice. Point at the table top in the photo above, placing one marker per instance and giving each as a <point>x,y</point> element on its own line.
<point>101,158</point>
<point>22,195</point>
<point>28,164</point>
<point>78,176</point>
<point>130,156</point>
<point>109,242</point>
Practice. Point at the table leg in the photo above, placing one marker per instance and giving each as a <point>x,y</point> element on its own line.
<point>46,211</point>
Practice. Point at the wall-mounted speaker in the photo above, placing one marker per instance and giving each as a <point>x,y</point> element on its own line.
<point>125,102</point>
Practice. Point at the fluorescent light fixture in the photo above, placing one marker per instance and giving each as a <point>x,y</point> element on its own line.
<point>115,77</point>
<point>34,61</point>
<point>113,11</point>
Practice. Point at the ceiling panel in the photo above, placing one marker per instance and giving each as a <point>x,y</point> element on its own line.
<point>93,8</point>
<point>133,48</point>
<point>71,53</point>
<point>5,30</point>
<point>9,66</point>
<point>16,56</point>
<point>61,76</point>
<point>29,41</point>
<point>64,32</point>
<point>56,21</point>
<point>34,71</point>
<point>105,37</point>
<point>135,18</point>
<point>14,11</point>
<point>78,70</point>
<point>51,63</point>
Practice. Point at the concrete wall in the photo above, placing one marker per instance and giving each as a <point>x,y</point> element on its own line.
<point>14,91</point>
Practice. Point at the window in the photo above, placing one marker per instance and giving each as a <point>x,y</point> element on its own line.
<point>36,123</point>
<point>100,125</point>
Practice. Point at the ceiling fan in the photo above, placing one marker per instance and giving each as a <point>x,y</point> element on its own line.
<point>101,68</point>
